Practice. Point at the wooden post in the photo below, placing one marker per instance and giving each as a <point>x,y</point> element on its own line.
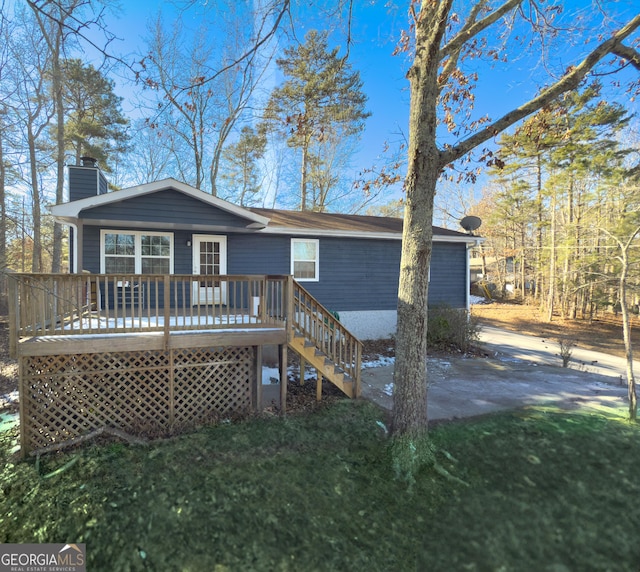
<point>303,365</point>
<point>22,396</point>
<point>318,385</point>
<point>288,316</point>
<point>358,370</point>
<point>282,355</point>
<point>172,385</point>
<point>167,309</point>
<point>14,312</point>
<point>263,300</point>
<point>257,392</point>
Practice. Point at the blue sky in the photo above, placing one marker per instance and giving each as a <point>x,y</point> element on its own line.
<point>376,28</point>
<point>371,54</point>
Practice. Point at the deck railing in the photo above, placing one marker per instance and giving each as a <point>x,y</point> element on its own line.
<point>64,304</point>
<point>316,323</point>
<point>89,304</point>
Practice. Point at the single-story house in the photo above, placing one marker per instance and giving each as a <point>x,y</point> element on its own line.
<point>349,263</point>
<point>175,296</point>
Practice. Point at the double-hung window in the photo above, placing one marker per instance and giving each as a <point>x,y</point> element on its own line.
<point>133,252</point>
<point>305,259</point>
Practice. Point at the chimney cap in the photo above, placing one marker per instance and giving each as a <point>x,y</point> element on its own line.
<point>89,161</point>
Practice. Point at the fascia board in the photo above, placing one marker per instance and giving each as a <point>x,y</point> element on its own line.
<point>357,234</point>
<point>71,210</point>
<point>132,224</point>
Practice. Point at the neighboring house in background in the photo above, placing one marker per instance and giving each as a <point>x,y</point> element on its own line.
<point>500,276</point>
<point>350,263</point>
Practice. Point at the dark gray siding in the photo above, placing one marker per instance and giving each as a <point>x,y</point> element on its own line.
<point>182,263</point>
<point>91,249</point>
<point>355,274</point>
<point>85,182</point>
<point>165,206</point>
<point>258,254</point>
<point>103,186</point>
<point>448,284</point>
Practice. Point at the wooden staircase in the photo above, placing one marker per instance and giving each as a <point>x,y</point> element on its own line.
<point>321,341</point>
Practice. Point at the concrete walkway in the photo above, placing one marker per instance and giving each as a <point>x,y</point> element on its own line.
<point>520,370</point>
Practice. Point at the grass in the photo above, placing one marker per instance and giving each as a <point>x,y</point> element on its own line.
<point>546,491</point>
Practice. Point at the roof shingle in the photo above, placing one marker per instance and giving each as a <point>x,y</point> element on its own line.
<point>335,221</point>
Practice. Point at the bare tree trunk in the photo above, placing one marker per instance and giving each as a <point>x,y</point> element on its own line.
<point>523,263</point>
<point>424,167</point>
<point>626,328</point>
<point>197,158</point>
<point>36,260</point>
<point>552,263</point>
<point>303,179</point>
<point>56,262</point>
<point>626,334</point>
<point>501,267</point>
<point>567,271</point>
<point>425,164</point>
<point>579,292</point>
<point>540,221</point>
<point>52,32</point>
<point>3,229</point>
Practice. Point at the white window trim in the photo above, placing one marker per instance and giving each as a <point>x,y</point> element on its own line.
<point>137,246</point>
<point>317,260</point>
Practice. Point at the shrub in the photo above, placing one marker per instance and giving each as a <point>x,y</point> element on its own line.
<point>566,350</point>
<point>451,328</point>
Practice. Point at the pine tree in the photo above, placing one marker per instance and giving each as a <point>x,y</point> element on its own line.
<point>241,173</point>
<point>558,154</point>
<point>95,125</point>
<point>321,99</point>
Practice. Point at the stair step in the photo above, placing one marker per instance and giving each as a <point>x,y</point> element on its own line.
<point>322,363</point>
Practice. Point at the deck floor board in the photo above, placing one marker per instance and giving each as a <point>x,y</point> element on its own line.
<point>108,342</point>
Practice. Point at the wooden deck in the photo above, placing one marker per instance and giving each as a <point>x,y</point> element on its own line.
<point>95,343</point>
<point>45,305</point>
<point>162,351</point>
<point>69,313</point>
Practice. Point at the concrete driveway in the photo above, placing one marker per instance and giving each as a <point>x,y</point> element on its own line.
<point>520,370</point>
<point>547,350</point>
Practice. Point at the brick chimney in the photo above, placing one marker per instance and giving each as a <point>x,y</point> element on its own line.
<point>86,180</point>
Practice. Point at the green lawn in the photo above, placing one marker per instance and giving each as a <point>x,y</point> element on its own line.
<point>546,491</point>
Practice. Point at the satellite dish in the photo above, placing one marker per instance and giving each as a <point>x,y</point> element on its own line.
<point>471,223</point>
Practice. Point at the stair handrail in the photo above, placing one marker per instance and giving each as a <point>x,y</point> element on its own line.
<point>319,325</point>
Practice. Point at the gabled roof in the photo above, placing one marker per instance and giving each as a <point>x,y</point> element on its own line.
<point>70,211</point>
<point>266,221</point>
<point>329,221</point>
<point>336,224</point>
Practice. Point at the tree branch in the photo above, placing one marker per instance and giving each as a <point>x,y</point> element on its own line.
<point>569,81</point>
<point>67,14</point>
<point>251,52</point>
<point>454,55</point>
<point>470,30</point>
<point>627,53</point>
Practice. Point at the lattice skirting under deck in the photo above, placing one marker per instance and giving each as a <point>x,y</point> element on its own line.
<point>150,393</point>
